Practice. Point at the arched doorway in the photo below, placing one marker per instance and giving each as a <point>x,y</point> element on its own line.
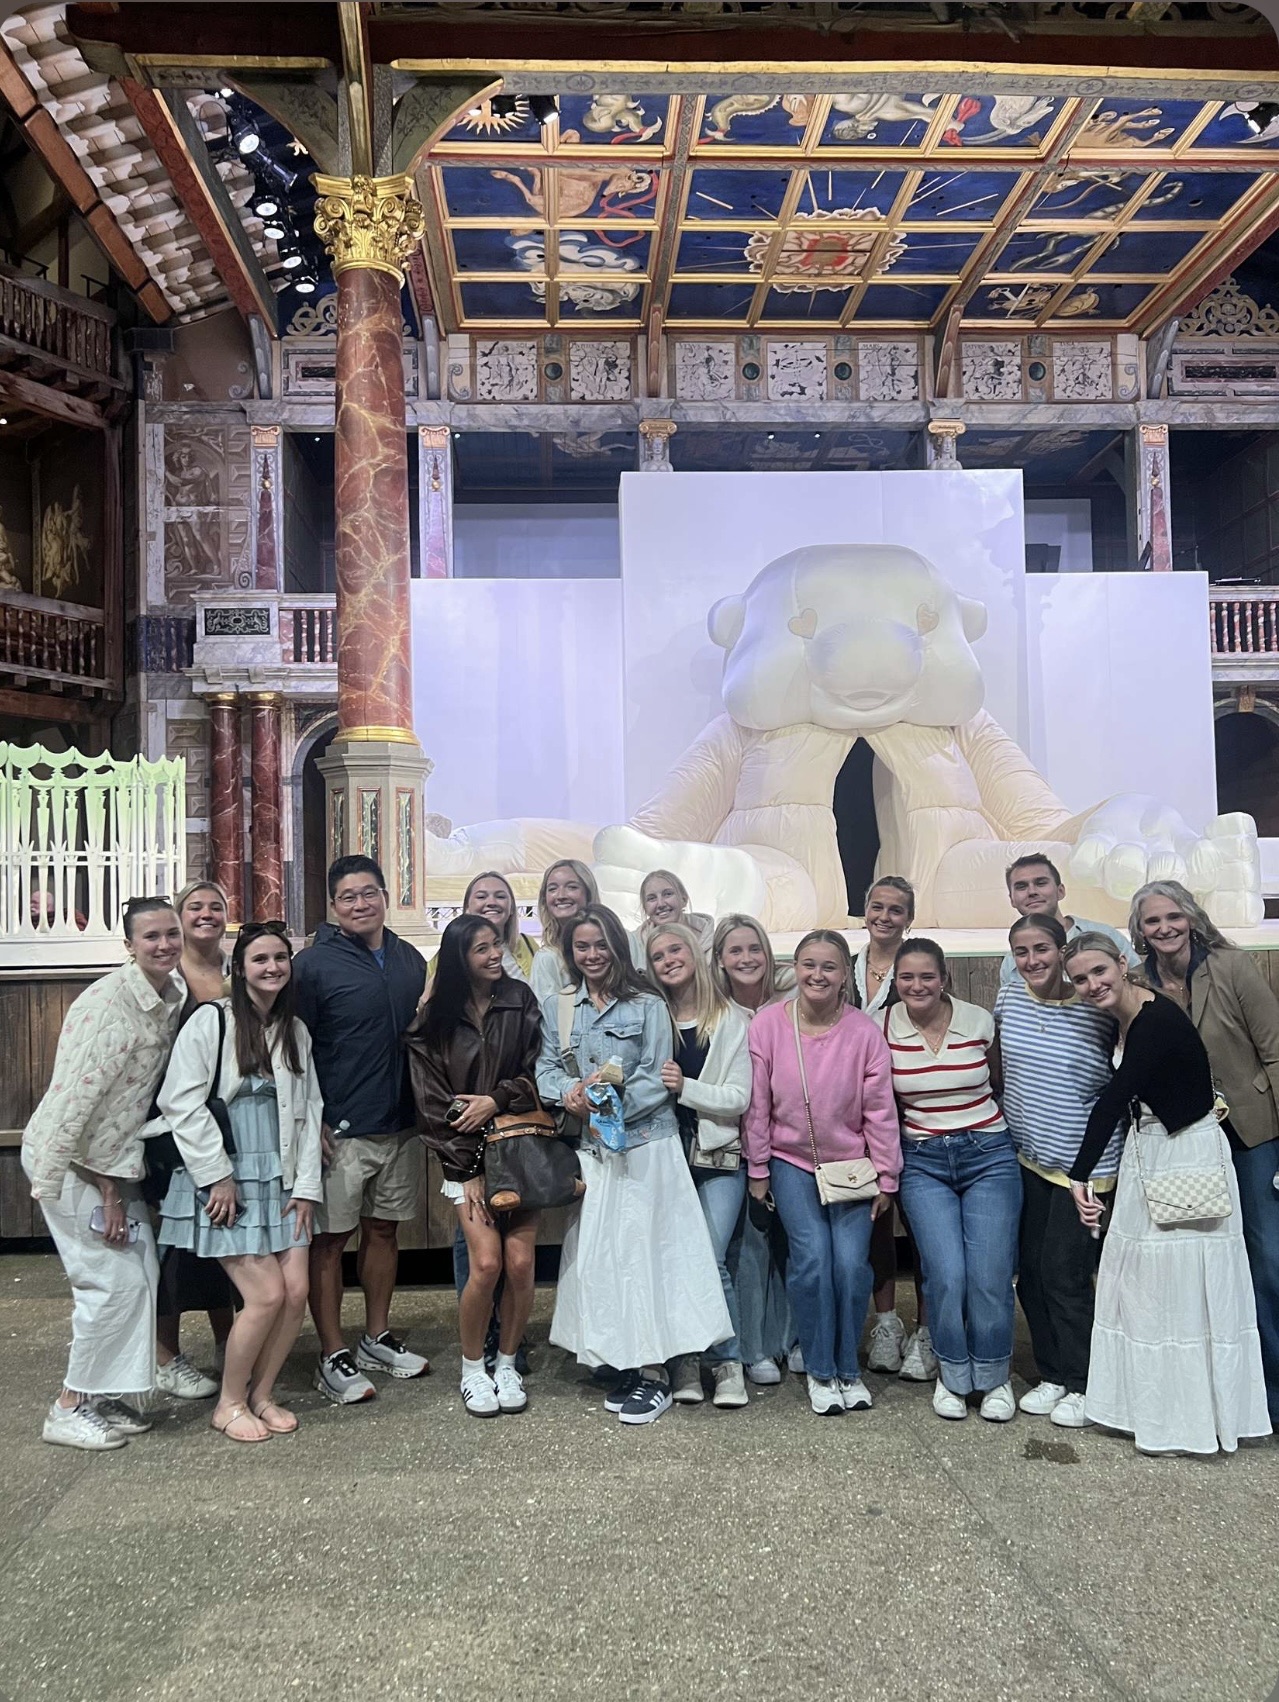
<point>856,829</point>
<point>310,837</point>
<point>1248,769</point>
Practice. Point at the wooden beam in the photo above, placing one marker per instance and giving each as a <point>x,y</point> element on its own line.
<point>1235,244</point>
<point>946,348</point>
<point>53,404</point>
<point>358,85</point>
<point>174,134</point>
<point>46,140</point>
<point>39,706</point>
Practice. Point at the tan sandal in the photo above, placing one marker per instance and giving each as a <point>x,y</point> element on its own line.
<point>239,1415</point>
<point>284,1426</point>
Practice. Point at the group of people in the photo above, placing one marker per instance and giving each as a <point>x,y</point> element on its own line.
<point>774,1127</point>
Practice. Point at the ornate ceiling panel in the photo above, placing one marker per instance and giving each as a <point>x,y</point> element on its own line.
<point>793,211</point>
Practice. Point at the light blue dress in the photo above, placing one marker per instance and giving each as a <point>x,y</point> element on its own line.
<point>260,1225</point>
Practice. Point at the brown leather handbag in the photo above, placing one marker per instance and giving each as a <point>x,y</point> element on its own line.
<point>528,1166</point>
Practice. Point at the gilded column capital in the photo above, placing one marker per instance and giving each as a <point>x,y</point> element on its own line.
<point>371,222</point>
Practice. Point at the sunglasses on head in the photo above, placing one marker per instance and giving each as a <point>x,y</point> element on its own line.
<point>251,930</point>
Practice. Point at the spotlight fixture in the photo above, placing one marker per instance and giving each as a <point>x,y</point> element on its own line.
<point>275,230</point>
<point>291,262</point>
<point>1261,116</point>
<point>266,206</point>
<point>244,136</point>
<point>544,108</point>
<point>3,420</point>
<point>270,167</point>
<point>306,284</point>
<point>503,106</point>
<point>226,94</point>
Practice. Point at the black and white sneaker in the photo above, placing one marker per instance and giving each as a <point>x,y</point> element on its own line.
<point>388,1354</point>
<point>340,1380</point>
<point>617,1396</point>
<point>647,1401</point>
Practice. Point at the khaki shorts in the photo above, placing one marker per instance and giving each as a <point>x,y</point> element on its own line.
<point>371,1178</point>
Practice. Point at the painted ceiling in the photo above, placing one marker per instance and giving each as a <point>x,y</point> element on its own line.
<point>800,211</point>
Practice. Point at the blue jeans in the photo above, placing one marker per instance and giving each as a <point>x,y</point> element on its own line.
<point>722,1193</point>
<point>962,1194</point>
<point>828,1275</point>
<point>1255,1169</point>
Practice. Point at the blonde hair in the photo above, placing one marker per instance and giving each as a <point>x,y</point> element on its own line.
<point>723,928</point>
<point>676,882</point>
<point>828,937</point>
<point>1203,930</point>
<point>712,1001</point>
<point>509,936</point>
<point>550,927</point>
<point>201,886</point>
<point>898,884</point>
<point>1103,943</point>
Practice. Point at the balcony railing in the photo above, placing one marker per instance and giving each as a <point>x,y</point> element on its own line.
<point>308,630</point>
<point>1245,623</point>
<point>59,643</point>
<point>74,333</point>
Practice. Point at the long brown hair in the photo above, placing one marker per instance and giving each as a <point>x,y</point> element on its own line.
<point>625,982</point>
<point>253,1032</point>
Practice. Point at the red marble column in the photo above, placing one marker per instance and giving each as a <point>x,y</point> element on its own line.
<point>226,800</point>
<point>264,823</point>
<point>375,685</point>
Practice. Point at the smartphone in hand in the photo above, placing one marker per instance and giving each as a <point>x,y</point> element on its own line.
<point>98,1224</point>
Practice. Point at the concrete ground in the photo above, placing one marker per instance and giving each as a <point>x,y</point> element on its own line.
<point>405,1550</point>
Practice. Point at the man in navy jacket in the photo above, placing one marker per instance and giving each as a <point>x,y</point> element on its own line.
<point>357,988</point>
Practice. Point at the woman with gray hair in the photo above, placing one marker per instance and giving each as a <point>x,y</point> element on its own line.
<point>1224,994</point>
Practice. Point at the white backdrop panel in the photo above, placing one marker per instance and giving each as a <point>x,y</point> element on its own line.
<point>690,538</point>
<point>1121,688</point>
<point>517,693</point>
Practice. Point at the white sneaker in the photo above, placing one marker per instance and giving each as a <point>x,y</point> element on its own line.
<point>480,1395</point>
<point>795,1360</point>
<point>919,1362</point>
<point>1042,1398</point>
<point>855,1395</point>
<point>1069,1413</point>
<point>730,1386</point>
<point>123,1419</point>
<point>765,1372</point>
<point>824,1397</point>
<point>999,1405</point>
<point>81,1426</point>
<point>946,1405</point>
<point>887,1343</point>
<point>686,1380</point>
<point>186,1382</point>
<point>339,1380</point>
<point>511,1396</point>
<point>388,1354</point>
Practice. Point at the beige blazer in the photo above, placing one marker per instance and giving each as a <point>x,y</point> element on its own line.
<point>1237,1016</point>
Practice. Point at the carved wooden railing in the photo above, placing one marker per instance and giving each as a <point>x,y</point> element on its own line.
<point>72,331</point>
<point>41,639</point>
<point>1245,623</point>
<point>308,630</point>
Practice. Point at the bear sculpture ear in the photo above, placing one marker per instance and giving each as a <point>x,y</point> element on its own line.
<point>726,620</point>
<point>973,616</point>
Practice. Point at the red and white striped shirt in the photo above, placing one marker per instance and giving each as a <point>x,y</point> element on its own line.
<point>947,1091</point>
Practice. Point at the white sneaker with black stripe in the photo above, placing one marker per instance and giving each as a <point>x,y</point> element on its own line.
<point>647,1401</point>
<point>341,1381</point>
<point>480,1395</point>
<point>511,1394</point>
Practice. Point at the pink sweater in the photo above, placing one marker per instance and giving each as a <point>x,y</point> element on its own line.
<point>850,1087</point>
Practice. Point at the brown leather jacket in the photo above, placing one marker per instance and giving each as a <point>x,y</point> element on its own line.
<point>501,1062</point>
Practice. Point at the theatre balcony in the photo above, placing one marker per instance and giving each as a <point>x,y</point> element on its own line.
<point>266,641</point>
<point>1245,635</point>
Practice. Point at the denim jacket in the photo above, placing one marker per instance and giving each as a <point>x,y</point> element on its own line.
<point>637,1031</point>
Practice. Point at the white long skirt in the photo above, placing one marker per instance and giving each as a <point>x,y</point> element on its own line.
<point>638,1279</point>
<point>1176,1358</point>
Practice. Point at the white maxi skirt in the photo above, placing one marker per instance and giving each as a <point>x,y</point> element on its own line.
<point>1176,1358</point>
<point>638,1279</point>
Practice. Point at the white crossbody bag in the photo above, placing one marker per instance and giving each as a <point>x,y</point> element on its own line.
<point>842,1181</point>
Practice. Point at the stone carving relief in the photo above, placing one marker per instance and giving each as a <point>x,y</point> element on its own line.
<point>206,509</point>
<point>505,372</point>
<point>705,372</point>
<point>1082,372</point>
<point>1228,312</point>
<point>237,623</point>
<point>797,372</point>
<point>888,372</point>
<point>991,372</point>
<point>599,372</point>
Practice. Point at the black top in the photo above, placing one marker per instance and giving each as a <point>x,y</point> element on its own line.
<point>1165,1066</point>
<point>690,1055</point>
<point>357,1011</point>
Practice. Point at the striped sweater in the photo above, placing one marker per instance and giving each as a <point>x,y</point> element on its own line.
<point>947,1091</point>
<point>1056,1058</point>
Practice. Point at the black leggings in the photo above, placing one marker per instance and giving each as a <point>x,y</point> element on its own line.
<point>1055,1281</point>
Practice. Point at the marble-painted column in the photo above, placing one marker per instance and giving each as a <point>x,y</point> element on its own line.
<point>435,501</point>
<point>375,772</point>
<point>226,800</point>
<point>268,490</point>
<point>1150,520</point>
<point>264,820</point>
<point>655,445</point>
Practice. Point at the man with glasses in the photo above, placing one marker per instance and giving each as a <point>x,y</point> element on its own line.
<point>358,987</point>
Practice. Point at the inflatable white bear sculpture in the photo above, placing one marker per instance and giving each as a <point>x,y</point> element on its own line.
<point>838,642</point>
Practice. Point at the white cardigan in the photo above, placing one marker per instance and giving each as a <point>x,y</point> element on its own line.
<point>186,1086</point>
<point>723,1090</point>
